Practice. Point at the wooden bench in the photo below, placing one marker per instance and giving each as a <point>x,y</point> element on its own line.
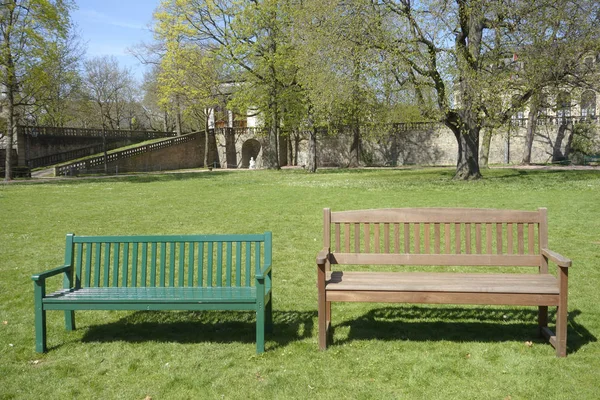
<point>211,272</point>
<point>473,238</point>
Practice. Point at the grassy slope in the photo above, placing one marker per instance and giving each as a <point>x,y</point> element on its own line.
<point>380,350</point>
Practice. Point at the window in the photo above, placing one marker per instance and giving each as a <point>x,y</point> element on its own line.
<point>563,105</point>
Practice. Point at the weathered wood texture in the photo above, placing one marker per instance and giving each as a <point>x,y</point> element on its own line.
<point>210,272</point>
<point>441,237</point>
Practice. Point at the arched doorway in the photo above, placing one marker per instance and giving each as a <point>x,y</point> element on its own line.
<point>250,148</point>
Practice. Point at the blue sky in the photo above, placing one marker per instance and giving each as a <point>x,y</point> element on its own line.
<point>110,27</point>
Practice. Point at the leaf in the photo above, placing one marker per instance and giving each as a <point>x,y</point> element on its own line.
<point>529,343</point>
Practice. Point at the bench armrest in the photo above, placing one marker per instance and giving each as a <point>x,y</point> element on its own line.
<point>556,258</point>
<point>322,256</point>
<point>261,275</point>
<point>52,272</point>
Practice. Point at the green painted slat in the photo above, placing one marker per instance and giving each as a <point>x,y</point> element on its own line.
<point>201,265</point>
<point>172,264</point>
<point>78,263</point>
<point>248,262</point>
<point>191,251</point>
<point>153,256</point>
<point>69,249</point>
<point>115,275</point>
<point>238,263</point>
<point>181,263</point>
<point>228,265</point>
<point>219,263</point>
<point>170,238</point>
<point>107,247</point>
<point>134,265</point>
<point>163,264</point>
<point>125,268</point>
<point>144,265</point>
<point>88,264</point>
<point>257,265</point>
<point>209,264</point>
<point>97,263</point>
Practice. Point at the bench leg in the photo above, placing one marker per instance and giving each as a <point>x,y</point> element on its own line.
<point>323,322</point>
<point>260,329</point>
<point>40,319</point>
<point>70,320</point>
<point>542,319</point>
<point>561,330</point>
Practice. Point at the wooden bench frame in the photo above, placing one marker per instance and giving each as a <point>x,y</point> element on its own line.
<point>193,272</point>
<point>442,237</point>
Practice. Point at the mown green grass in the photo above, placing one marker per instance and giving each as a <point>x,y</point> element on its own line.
<point>379,350</point>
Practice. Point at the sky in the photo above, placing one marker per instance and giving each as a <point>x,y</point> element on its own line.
<point>111,27</point>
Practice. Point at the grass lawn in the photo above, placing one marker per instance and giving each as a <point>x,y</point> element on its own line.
<point>379,350</point>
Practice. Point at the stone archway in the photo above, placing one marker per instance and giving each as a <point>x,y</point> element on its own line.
<point>250,148</point>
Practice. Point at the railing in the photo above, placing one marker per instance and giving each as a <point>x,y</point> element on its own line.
<point>35,131</point>
<point>95,163</point>
<point>70,155</point>
<point>550,120</point>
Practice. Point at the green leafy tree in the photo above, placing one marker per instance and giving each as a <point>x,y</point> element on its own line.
<point>27,29</point>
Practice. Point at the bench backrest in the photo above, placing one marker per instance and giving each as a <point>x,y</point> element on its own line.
<point>167,261</point>
<point>437,236</point>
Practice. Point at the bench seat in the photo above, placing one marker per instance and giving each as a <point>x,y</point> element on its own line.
<point>153,295</point>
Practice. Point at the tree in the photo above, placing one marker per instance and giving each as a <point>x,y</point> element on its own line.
<point>27,27</point>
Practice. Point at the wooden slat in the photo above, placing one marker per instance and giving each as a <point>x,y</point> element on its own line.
<point>386,238</point>
<point>248,261</point>
<point>509,239</point>
<point>367,237</point>
<point>257,263</point>
<point>499,244</point>
<point>437,238</point>
<point>144,275</point>
<point>430,215</point>
<point>171,264</point>
<point>201,264</point>
<point>520,239</point>
<point>153,262</point>
<point>78,264</point>
<point>219,263</point>
<point>238,263</point>
<point>437,259</point>
<point>396,238</point>
<point>417,231</point>
<point>326,230</point>
<point>163,265</point>
<point>457,241</point>
<point>170,238</point>
<point>337,238</point>
<point>468,238</point>
<point>543,238</point>
<point>209,264</point>
<point>88,264</point>
<point>426,234</point>
<point>357,238</point>
<point>107,248</point>
<point>376,239</point>
<point>228,264</point>
<point>531,238</point>
<point>134,264</point>
<point>115,274</point>
<point>191,262</point>
<point>347,237</point>
<point>478,238</point>
<point>97,264</point>
<point>125,269</point>
<point>447,238</point>
<point>181,271</point>
<point>406,238</point>
<point>488,238</point>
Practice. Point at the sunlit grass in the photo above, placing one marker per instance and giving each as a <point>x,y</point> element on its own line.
<point>379,350</point>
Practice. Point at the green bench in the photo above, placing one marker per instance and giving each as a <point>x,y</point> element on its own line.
<point>201,272</point>
<point>591,159</point>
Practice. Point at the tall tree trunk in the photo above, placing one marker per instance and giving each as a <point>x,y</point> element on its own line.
<point>177,116</point>
<point>312,143</point>
<point>467,165</point>
<point>485,147</point>
<point>206,139</point>
<point>355,147</point>
<point>531,128</point>
<point>165,122</point>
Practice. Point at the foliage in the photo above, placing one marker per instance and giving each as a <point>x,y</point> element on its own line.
<point>586,139</point>
<point>379,350</point>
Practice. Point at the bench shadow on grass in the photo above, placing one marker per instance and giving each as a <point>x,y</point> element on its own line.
<point>458,324</point>
<point>203,326</point>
